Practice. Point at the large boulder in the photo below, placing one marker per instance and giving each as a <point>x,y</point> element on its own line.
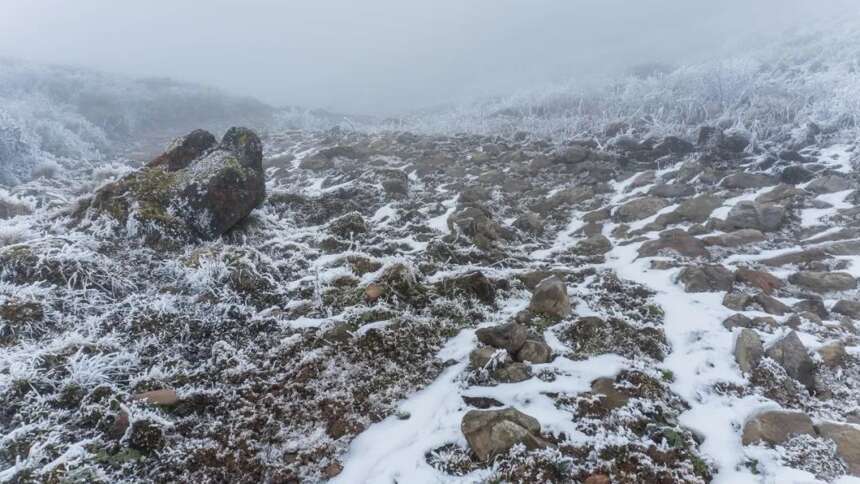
<point>675,240</point>
<point>493,432</point>
<point>748,350</point>
<point>830,184</point>
<point>766,217</point>
<point>550,298</point>
<point>693,210</point>
<point>790,353</point>
<point>776,427</point>
<point>510,336</point>
<point>736,238</point>
<point>195,190</point>
<point>847,308</point>
<point>639,208</point>
<point>823,281</point>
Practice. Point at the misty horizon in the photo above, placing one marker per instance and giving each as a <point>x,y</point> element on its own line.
<point>387,57</point>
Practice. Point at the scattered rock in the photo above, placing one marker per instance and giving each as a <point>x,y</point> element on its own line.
<point>675,240</point>
<point>639,208</point>
<point>833,354</point>
<point>748,350</point>
<point>847,438</point>
<point>164,397</point>
<point>823,281</point>
<point>510,336</point>
<point>534,351</point>
<point>737,238</point>
<point>790,353</point>
<point>706,278</point>
<point>766,217</point>
<point>550,298</point>
<point>830,184</point>
<point>529,222</point>
<point>493,432</point>
<point>597,244</point>
<point>762,280</point>
<point>474,284</point>
<point>847,308</point>
<point>776,427</point>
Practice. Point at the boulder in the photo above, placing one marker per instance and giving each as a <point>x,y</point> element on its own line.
<point>534,351</point>
<point>510,336</point>
<point>694,210</point>
<point>847,308</point>
<point>823,281</point>
<point>746,181</point>
<point>529,222</point>
<point>193,191</point>
<point>795,174</point>
<point>766,217</point>
<point>348,226</point>
<point>474,284</point>
<point>748,350</point>
<point>847,439</point>
<point>830,184</point>
<point>596,244</point>
<point>672,190</point>
<point>675,240</point>
<point>493,432</point>
<point>570,155</point>
<point>790,353</point>
<point>737,320</point>
<point>737,238</point>
<point>550,298</point>
<point>737,301</point>
<point>776,427</point>
<point>476,223</point>
<point>638,209</point>
<point>770,304</point>
<point>706,278</point>
<point>765,281</point>
<point>672,145</point>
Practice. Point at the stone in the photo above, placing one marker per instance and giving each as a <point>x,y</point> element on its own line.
<point>597,479</point>
<point>847,438</point>
<point>671,190</point>
<point>770,304</point>
<point>474,284</point>
<point>348,226</point>
<point>737,238</point>
<point>813,305</point>
<point>799,257</point>
<point>675,240</point>
<point>847,308</point>
<point>737,301</point>
<point>638,209</point>
<point>795,175</point>
<point>510,336</point>
<point>550,298</point>
<point>766,217</point>
<point>737,320</point>
<point>513,372</point>
<point>571,155</point>
<point>534,351</point>
<point>673,145</point>
<point>177,199</point>
<point>596,244</point>
<point>482,402</point>
<point>613,397</point>
<point>745,181</point>
<point>762,280</point>
<point>823,281</point>
<point>830,184</point>
<point>748,350</point>
<point>694,210</point>
<point>493,432</point>
<point>706,278</point>
<point>790,353</point>
<point>776,427</point>
<point>480,357</point>
<point>164,397</point>
<point>476,223</point>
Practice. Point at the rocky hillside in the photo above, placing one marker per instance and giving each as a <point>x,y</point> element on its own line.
<point>396,307</point>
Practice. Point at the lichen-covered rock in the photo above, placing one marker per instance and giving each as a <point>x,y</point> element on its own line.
<point>493,432</point>
<point>193,191</point>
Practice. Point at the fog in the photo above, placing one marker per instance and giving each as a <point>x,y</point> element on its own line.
<point>388,56</point>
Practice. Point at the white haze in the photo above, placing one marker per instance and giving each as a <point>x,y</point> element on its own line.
<point>388,56</point>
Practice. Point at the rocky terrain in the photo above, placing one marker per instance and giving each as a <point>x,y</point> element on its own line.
<point>396,307</point>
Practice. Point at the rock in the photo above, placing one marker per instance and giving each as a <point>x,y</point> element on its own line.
<point>766,217</point>
<point>823,281</point>
<point>847,308</point>
<point>707,278</point>
<point>477,224</point>
<point>737,238</point>
<point>795,175</point>
<point>185,149</point>
<point>534,351</point>
<point>571,155</point>
<point>813,305</point>
<point>550,298</point>
<point>830,184</point>
<point>695,210</point>
<point>529,222</point>
<point>675,240</point>
<point>737,301</point>
<point>493,432</point>
<point>597,244</point>
<point>672,190</point>
<point>737,320</point>
<point>672,145</point>
<point>597,479</point>
<point>325,159</point>
<point>513,372</point>
<point>395,183</point>
<point>638,209</point>
<point>174,198</point>
<point>762,280</point>
<point>776,427</point>
<point>348,226</point>
<point>745,181</point>
<point>800,257</point>
<point>482,402</point>
<point>748,350</point>
<point>164,397</point>
<point>783,194</point>
<point>847,438</point>
<point>833,354</point>
<point>770,304</point>
<point>790,353</point>
<point>474,284</point>
<point>332,470</point>
<point>510,336</point>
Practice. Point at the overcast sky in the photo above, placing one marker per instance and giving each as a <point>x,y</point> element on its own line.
<point>384,56</point>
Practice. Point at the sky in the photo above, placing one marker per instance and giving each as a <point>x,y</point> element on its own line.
<point>387,56</point>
